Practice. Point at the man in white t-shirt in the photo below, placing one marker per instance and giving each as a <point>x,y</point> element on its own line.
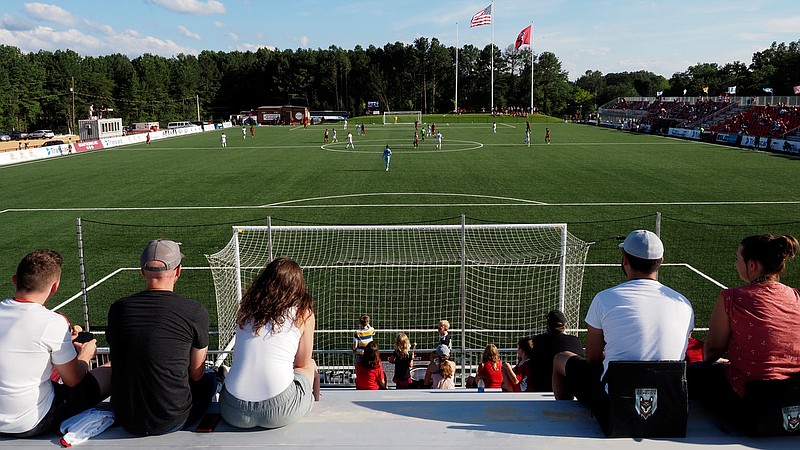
<point>638,320</point>
<point>37,347</point>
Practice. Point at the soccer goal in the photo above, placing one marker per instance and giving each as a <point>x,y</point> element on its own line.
<point>402,117</point>
<point>494,283</point>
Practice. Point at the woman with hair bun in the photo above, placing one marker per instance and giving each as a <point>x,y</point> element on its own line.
<point>754,327</point>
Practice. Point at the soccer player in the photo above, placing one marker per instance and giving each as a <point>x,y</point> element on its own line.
<point>547,135</point>
<point>416,140</point>
<point>438,140</point>
<point>224,140</point>
<point>350,141</point>
<point>333,134</point>
<point>252,131</point>
<point>325,138</point>
<point>494,127</point>
<point>387,156</point>
<point>147,139</point>
<point>528,137</point>
<point>244,132</point>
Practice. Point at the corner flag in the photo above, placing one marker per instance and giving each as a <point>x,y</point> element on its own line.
<point>524,37</point>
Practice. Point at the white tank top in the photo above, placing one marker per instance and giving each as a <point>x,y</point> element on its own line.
<point>263,365</point>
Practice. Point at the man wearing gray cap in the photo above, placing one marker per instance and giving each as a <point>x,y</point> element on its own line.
<point>638,320</point>
<point>158,343</point>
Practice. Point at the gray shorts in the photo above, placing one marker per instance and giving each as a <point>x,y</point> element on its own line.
<point>287,407</point>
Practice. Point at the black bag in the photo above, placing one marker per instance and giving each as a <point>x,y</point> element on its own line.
<point>645,399</point>
<point>771,407</point>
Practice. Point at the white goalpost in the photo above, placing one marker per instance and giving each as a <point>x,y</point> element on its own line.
<point>402,117</point>
<point>494,283</point>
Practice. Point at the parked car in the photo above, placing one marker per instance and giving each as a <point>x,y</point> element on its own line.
<point>53,142</point>
<point>17,135</point>
<point>4,137</point>
<point>41,134</point>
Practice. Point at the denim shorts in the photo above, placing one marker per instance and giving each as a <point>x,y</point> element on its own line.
<point>287,407</point>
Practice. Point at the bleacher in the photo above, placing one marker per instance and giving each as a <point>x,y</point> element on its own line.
<point>461,418</point>
<point>764,121</point>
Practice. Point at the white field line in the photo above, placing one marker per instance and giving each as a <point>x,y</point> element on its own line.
<point>579,330</point>
<point>508,125</point>
<point>290,204</point>
<point>105,278</point>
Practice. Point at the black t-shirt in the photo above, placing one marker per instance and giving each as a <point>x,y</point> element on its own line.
<point>402,369</point>
<point>545,347</point>
<point>151,335</point>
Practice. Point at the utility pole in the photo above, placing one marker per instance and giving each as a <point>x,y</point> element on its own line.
<point>72,89</point>
<point>197,98</point>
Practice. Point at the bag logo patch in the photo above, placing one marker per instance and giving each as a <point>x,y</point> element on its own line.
<point>647,402</point>
<point>791,418</point>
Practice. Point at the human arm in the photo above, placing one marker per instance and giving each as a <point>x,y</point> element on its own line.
<point>381,379</point>
<point>72,372</point>
<point>197,363</point>
<point>305,349</point>
<point>719,333</point>
<point>428,373</point>
<point>595,343</point>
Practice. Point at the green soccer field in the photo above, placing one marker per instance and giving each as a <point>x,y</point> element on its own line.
<point>602,183</point>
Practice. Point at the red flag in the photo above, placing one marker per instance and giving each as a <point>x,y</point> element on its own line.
<point>524,37</point>
<point>482,17</point>
<point>797,89</point>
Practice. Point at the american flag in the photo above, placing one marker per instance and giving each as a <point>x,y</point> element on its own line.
<point>482,17</point>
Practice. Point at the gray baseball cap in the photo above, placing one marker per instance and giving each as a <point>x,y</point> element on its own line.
<point>164,250</point>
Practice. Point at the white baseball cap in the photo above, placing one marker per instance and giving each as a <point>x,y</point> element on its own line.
<point>643,244</point>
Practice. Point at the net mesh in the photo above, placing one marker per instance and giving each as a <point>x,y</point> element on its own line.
<point>495,289</point>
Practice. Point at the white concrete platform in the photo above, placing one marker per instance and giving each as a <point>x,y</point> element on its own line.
<point>432,420</point>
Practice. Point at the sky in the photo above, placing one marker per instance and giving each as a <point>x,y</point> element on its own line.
<point>663,37</point>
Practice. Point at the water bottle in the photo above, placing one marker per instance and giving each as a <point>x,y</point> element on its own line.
<point>481,385</point>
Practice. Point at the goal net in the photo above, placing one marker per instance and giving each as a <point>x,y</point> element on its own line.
<point>402,117</point>
<point>494,283</point>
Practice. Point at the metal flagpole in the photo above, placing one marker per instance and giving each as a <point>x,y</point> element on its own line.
<point>456,106</point>
<point>492,56</point>
<point>531,47</point>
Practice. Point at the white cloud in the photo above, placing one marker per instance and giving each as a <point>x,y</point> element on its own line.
<point>233,36</point>
<point>303,41</point>
<point>219,24</point>
<point>783,25</point>
<point>195,7</point>
<point>188,33</point>
<point>50,13</point>
<point>253,47</point>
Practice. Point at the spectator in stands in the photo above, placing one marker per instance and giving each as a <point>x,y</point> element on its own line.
<point>756,327</point>
<point>403,360</point>
<point>546,346</point>
<point>362,336</point>
<point>517,379</point>
<point>37,344</point>
<point>158,342</point>
<point>444,337</point>
<point>273,380</point>
<point>490,369</point>
<point>369,371</point>
<point>440,371</point>
<point>638,320</point>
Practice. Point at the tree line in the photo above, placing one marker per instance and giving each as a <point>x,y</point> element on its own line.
<point>47,89</point>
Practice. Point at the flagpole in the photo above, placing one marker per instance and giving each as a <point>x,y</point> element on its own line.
<point>492,56</point>
<point>456,106</point>
<point>531,46</point>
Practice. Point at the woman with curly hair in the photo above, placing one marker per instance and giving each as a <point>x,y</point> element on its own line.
<point>369,372</point>
<point>273,380</point>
